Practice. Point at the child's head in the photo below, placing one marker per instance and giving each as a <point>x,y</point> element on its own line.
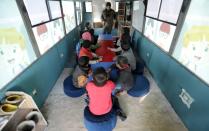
<point>83,63</point>
<point>100,76</point>
<point>122,62</point>
<point>86,44</point>
<point>88,25</point>
<point>126,30</point>
<point>86,36</point>
<point>125,45</point>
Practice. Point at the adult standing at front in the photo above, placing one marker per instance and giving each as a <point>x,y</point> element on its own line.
<point>108,18</point>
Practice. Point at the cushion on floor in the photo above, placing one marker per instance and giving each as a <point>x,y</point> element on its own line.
<point>105,122</point>
<point>70,89</point>
<point>141,87</point>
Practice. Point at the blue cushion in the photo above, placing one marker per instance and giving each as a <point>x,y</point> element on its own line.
<point>70,89</point>
<point>106,65</point>
<point>105,37</point>
<point>105,122</point>
<point>141,87</point>
<point>78,47</point>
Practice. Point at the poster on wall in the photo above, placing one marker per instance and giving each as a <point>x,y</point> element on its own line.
<point>159,32</point>
<point>16,52</point>
<point>48,34</point>
<point>192,48</point>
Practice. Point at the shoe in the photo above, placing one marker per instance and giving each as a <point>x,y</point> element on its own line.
<point>34,116</point>
<point>122,115</point>
<point>28,125</point>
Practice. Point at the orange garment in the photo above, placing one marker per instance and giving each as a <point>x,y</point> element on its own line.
<point>85,52</point>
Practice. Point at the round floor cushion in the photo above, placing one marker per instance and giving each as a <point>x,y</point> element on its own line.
<point>70,89</point>
<point>141,87</point>
<point>105,122</point>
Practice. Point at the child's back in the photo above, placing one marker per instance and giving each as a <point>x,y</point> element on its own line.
<point>81,72</point>
<point>125,75</point>
<point>128,53</point>
<point>99,92</point>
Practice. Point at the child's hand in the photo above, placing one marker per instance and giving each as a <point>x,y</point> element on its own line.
<point>100,59</point>
<point>109,48</point>
<point>90,72</point>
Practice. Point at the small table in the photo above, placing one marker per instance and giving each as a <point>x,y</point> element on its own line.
<point>105,40</point>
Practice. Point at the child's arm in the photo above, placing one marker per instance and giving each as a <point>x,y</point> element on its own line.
<point>95,61</point>
<point>114,49</point>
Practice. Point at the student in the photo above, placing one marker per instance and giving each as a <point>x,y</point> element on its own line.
<point>125,36</point>
<point>125,79</point>
<point>128,53</point>
<point>90,37</point>
<point>81,72</point>
<point>85,51</point>
<point>100,95</point>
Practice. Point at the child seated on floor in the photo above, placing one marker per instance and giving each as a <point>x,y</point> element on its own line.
<point>100,95</point>
<point>125,36</point>
<point>88,34</point>
<point>125,79</point>
<point>128,53</point>
<point>85,51</point>
<point>81,72</point>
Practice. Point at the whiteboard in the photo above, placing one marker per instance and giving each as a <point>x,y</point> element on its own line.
<point>138,15</point>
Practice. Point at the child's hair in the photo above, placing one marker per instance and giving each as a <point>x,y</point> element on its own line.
<point>122,61</point>
<point>83,61</point>
<point>100,76</point>
<point>91,31</point>
<point>86,44</point>
<point>125,45</point>
<point>87,25</point>
<point>126,31</point>
<point>126,34</point>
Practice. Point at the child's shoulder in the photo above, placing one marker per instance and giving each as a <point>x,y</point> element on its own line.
<point>109,82</point>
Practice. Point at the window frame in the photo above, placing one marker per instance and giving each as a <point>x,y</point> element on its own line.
<point>176,33</point>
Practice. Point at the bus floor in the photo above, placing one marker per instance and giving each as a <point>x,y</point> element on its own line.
<point>153,114</point>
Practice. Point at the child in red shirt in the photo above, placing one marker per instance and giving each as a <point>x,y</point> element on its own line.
<point>85,51</point>
<point>100,94</point>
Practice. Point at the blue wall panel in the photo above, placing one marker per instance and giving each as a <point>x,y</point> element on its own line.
<point>172,77</point>
<point>43,73</point>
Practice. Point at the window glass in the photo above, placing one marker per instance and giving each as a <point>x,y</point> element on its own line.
<point>69,15</point>
<point>88,6</point>
<point>153,8</point>
<point>37,13</point>
<point>78,12</point>
<point>170,10</point>
<point>48,34</point>
<point>77,4</point>
<point>55,9</point>
<point>116,6</point>
<point>159,32</point>
<point>81,10</point>
<point>138,15</point>
<point>192,48</point>
<point>16,52</point>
